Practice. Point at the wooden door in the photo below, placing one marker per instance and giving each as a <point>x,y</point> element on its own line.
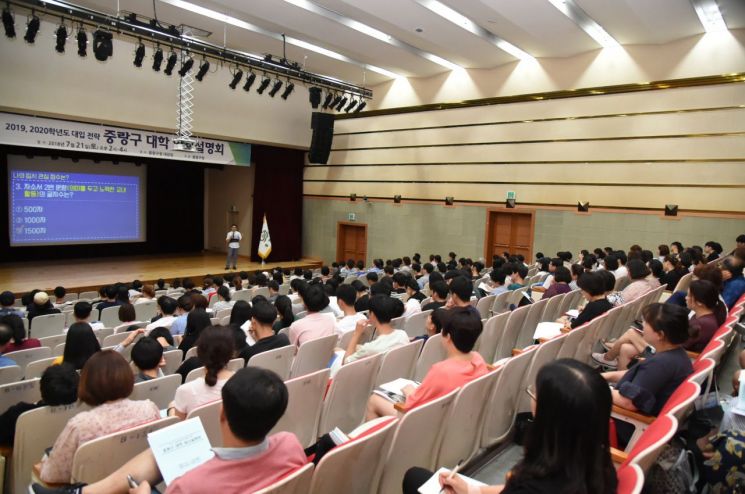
<point>351,242</point>
<point>509,232</point>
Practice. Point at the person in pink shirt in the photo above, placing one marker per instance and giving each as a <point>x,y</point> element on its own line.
<point>460,331</point>
<point>315,324</point>
<point>254,400</point>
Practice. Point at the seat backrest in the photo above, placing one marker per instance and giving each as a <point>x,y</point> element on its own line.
<point>571,343</point>
<point>262,290</point>
<point>10,374</point>
<point>500,303</point>
<point>96,459</point>
<point>346,400</point>
<point>53,341</point>
<point>490,336</point>
<point>609,322</point>
<point>37,367</point>
<point>59,350</point>
<point>15,392</point>
<point>223,312</point>
<point>102,333</point>
<point>160,391</point>
<point>416,441</point>
<point>502,404</point>
<point>173,361</point>
<point>297,482</point>
<point>569,301</point>
<point>195,374</point>
<point>236,364</point>
<point>347,337</point>
<point>49,325</point>
<point>398,322</point>
<point>89,295</point>
<point>278,360</point>
<point>713,350</point>
<point>484,306</point>
<point>516,295</point>
<point>209,414</point>
<point>24,357</point>
<point>115,339</point>
<point>652,441</point>
<point>509,335</point>
<point>630,479</point>
<point>551,309</point>
<point>416,325</point>
<point>680,403</point>
<point>304,406</point>
<point>545,352</point>
<point>36,431</point>
<point>591,330</point>
<point>110,317</point>
<point>683,283</point>
<point>354,466</point>
<point>621,283</point>
<point>462,427</point>
<point>313,355</point>
<point>702,370</point>
<point>192,352</point>
<point>399,362</point>
<point>525,335</point>
<point>432,352</point>
<point>145,311</point>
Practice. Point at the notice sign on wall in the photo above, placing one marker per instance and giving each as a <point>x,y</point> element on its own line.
<point>24,130</point>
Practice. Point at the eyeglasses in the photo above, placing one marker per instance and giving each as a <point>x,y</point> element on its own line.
<point>531,392</point>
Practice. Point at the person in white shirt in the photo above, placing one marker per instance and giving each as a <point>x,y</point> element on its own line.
<point>232,240</point>
<point>411,307</point>
<point>166,306</point>
<point>382,310</point>
<point>82,312</point>
<point>223,300</point>
<point>346,295</point>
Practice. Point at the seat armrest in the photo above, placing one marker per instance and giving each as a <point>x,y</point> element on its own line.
<point>639,417</point>
<point>618,456</point>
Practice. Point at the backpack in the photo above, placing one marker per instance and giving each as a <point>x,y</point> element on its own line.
<point>674,472</point>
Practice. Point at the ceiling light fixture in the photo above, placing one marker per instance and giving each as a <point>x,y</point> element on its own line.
<point>186,66</point>
<point>249,81</point>
<point>82,39</point>
<point>263,85</point>
<point>342,102</point>
<point>203,69</point>
<point>32,28</point>
<point>574,12</point>
<point>350,106</point>
<point>710,16</point>
<point>314,96</point>
<point>288,90</point>
<point>275,88</point>
<point>237,75</point>
<point>328,100</point>
<point>61,38</point>
<point>362,105</point>
<point>170,63</point>
<point>9,23</point>
<point>103,45</point>
<point>139,55</point>
<point>157,59</point>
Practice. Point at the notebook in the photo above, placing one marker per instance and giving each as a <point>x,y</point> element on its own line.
<point>179,448</point>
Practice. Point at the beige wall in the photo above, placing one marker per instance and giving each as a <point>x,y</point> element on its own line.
<point>234,185</point>
<point>37,79</point>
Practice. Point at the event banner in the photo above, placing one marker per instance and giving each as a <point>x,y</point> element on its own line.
<point>24,130</point>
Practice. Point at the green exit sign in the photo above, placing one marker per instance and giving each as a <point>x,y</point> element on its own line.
<point>352,217</point>
<point>511,194</point>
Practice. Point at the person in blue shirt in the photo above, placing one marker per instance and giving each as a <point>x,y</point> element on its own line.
<point>6,335</point>
<point>734,285</point>
<point>7,299</point>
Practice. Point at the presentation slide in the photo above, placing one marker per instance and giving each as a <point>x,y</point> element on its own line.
<point>62,202</point>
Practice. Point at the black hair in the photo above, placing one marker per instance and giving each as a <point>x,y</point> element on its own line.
<point>669,319</point>
<point>562,274</point>
<point>372,277</point>
<point>59,385</point>
<point>60,292</point>
<point>411,283</point>
<point>147,353</point>
<point>315,298</point>
<point>224,292</point>
<point>380,288</point>
<point>440,288</point>
<point>359,286</point>
<point>440,317</point>
<point>215,348</point>
<point>82,310</point>
<point>607,278</point>
<point>656,267</point>
<point>462,288</point>
<point>6,333</point>
<point>740,239</point>
<point>161,332</point>
<point>283,304</point>
<point>80,344</point>
<point>167,305</point>
<point>196,321</point>
<point>385,308</point>
<point>111,291</point>
<point>498,276</point>
<point>7,299</point>
<point>346,293</point>
<point>569,435</point>
<point>647,256</point>
<point>464,327</point>
<point>611,262</point>
<point>265,313</point>
<point>591,283</point>
<point>706,293</point>
<point>240,313</point>
<point>254,399</point>
<point>15,323</point>
<point>434,277</point>
<point>185,303</point>
<point>637,269</point>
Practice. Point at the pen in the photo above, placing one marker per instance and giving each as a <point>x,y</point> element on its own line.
<point>452,473</point>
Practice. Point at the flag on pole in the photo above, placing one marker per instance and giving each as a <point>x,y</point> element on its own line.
<point>265,241</point>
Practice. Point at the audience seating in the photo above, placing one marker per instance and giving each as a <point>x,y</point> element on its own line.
<point>278,360</point>
<point>160,391</point>
<point>399,362</point>
<point>37,367</point>
<point>416,324</point>
<point>24,357</point>
<point>88,296</point>
<point>650,444</point>
<point>10,374</point>
<point>304,406</point>
<point>58,350</point>
<point>49,325</point>
<point>484,306</point>
<point>53,341</point>
<point>110,316</point>
<point>513,327</point>
<point>432,353</point>
<point>145,311</point>
<point>347,337</point>
<point>173,361</point>
<point>313,355</point>
<point>630,479</point>
<point>236,364</point>
<point>501,303</point>
<point>192,352</point>
<point>684,283</point>
<point>527,327</point>
<point>209,415</point>
<point>491,336</point>
<point>298,482</point>
<point>15,392</point>
<point>195,374</point>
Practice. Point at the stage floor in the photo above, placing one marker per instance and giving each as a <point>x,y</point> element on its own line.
<point>78,275</point>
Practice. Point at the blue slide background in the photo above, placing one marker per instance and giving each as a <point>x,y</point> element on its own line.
<point>50,207</point>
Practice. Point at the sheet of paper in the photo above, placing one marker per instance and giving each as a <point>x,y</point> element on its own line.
<point>179,448</point>
<point>432,486</point>
<point>739,407</point>
<point>572,313</point>
<point>249,339</point>
<point>397,385</point>
<point>547,330</point>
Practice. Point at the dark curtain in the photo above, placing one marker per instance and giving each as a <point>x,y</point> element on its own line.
<point>278,193</point>
<point>175,210</point>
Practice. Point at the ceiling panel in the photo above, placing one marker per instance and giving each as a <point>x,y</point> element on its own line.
<point>733,12</point>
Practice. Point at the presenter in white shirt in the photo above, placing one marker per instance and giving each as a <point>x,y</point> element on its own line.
<point>232,240</point>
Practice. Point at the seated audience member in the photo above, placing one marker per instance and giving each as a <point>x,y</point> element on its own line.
<point>122,294</point>
<point>412,290</point>
<point>424,279</point>
<point>240,313</point>
<point>708,272</point>
<point>166,308</point>
<point>127,316</point>
<point>363,296</point>
<point>109,292</point>
<point>734,283</point>
<point>314,324</point>
<point>58,386</point>
<point>345,297</point>
<point>184,305</point>
<point>147,355</point>
<point>148,293</point>
<point>439,291</point>
<point>674,271</point>
<point>19,341</point>
<point>7,301</point>
<point>565,451</point>
<point>105,383</point>
<point>215,348</point>
<point>561,279</point>
<point>6,335</point>
<point>253,401</point>
<point>382,311</point>
<point>135,290</point>
<point>576,271</point>
<point>160,284</point>
<point>411,306</point>
<point>41,306</point>
<point>59,296</point>
<point>80,345</point>
<point>459,334</point>
<point>285,316</point>
<point>712,250</point>
<point>460,289</point>
<point>640,283</point>
<point>655,266</point>
<point>593,290</point>
<point>164,337</point>
<point>622,261</point>
<point>517,277</point>
<point>647,385</point>
<point>263,317</point>
<point>435,321</point>
<point>82,313</point>
<point>496,282</point>
<point>223,299</point>
<point>273,287</point>
<point>196,322</point>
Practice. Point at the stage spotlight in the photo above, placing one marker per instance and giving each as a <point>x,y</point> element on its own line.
<point>352,197</point>
<point>288,90</point>
<point>186,66</point>
<point>397,199</point>
<point>157,59</point>
<point>82,42</point>
<point>671,210</point>
<point>237,75</point>
<point>335,102</point>
<point>9,23</point>
<point>350,106</point>
<point>249,81</point>
<point>341,103</point>
<point>449,200</point>
<point>360,106</point>
<point>314,96</point>
<point>264,84</point>
<point>103,46</point>
<point>275,88</point>
<point>510,203</point>
<point>203,69</point>
<point>583,207</point>
<point>328,100</point>
<point>139,55</point>
<point>170,63</point>
<point>32,28</point>
<point>61,38</point>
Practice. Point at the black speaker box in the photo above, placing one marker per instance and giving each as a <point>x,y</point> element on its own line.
<point>323,133</point>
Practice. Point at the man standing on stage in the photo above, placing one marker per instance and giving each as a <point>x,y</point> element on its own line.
<point>233,242</point>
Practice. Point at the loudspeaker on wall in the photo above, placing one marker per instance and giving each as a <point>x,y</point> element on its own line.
<point>323,133</point>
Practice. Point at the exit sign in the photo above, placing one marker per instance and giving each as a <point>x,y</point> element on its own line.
<point>511,195</point>
<point>352,217</point>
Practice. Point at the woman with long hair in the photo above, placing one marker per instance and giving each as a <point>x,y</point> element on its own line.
<point>196,321</point>
<point>80,344</point>
<point>283,304</point>
<point>567,449</point>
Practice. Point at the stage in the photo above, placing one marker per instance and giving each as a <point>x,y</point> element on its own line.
<point>78,275</point>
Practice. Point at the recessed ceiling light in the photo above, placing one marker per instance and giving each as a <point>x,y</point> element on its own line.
<point>572,10</point>
<point>709,15</point>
